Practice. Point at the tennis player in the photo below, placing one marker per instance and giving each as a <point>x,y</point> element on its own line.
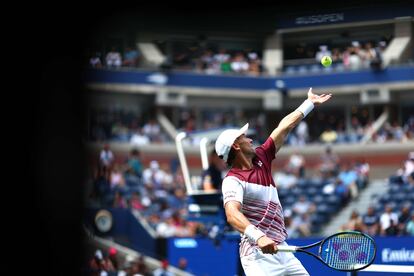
<point>250,196</point>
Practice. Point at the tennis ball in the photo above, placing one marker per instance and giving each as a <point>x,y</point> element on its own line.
<point>326,61</point>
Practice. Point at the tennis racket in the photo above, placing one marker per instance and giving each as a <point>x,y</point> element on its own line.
<point>344,251</point>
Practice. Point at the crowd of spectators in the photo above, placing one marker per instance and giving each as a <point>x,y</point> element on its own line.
<point>111,262</point>
<point>221,61</point>
<point>157,193</point>
<point>337,134</point>
<point>128,127</point>
<point>390,222</point>
<point>215,59</point>
<point>125,126</point>
<point>200,59</point>
<point>113,59</point>
<point>354,56</point>
<point>341,179</point>
<point>393,214</point>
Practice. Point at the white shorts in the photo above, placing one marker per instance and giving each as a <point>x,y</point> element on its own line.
<point>281,263</point>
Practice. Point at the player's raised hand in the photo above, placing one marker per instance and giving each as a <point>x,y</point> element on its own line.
<point>267,245</point>
<point>318,99</point>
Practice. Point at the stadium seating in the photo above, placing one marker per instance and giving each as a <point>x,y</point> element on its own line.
<point>400,193</point>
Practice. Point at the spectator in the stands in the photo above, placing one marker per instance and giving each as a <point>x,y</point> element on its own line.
<point>152,130</point>
<point>303,206</point>
<point>302,133</point>
<point>296,164</point>
<point>113,59</point>
<point>100,186</point>
<point>107,262</point>
<point>323,51</point>
<point>336,55</point>
<point>409,127</point>
<point>138,138</point>
<point>177,199</point>
<point>106,160</point>
<point>131,56</point>
<point>367,54</point>
<point>354,223</point>
<point>407,168</point>
<point>183,264</point>
<point>410,179</point>
<point>117,179</point>
<point>154,179</point>
<point>403,219</point>
<point>356,130</point>
<point>206,62</point>
<point>397,132</point>
<point>112,255</point>
<point>349,177</point>
<point>141,267</point>
<point>371,222</point>
<point>254,68</point>
<point>239,63</point>
<point>119,200</point>
<point>285,179</point>
<point>134,163</point>
<point>165,228</point>
<point>329,163</point>
<point>96,263</point>
<point>377,61</point>
<point>340,132</point>
<point>410,225</point>
<point>95,60</point>
<point>303,223</point>
<point>388,222</point>
<point>163,270</point>
<point>354,59</point>
<point>291,229</point>
<point>135,202</point>
<point>221,56</point>
<point>119,131</point>
<point>254,63</point>
<point>183,228</point>
<point>127,266</point>
<point>342,191</point>
<point>329,135</point>
<point>100,264</point>
<point>213,176</point>
<point>362,169</point>
<point>168,183</point>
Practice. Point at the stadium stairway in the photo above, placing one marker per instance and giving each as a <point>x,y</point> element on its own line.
<point>375,188</point>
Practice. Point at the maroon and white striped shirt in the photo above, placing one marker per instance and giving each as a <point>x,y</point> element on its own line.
<point>256,191</point>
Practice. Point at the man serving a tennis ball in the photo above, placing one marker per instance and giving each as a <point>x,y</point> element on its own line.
<point>326,61</point>
<point>250,195</point>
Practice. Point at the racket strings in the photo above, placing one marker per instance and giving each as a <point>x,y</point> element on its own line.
<point>348,251</point>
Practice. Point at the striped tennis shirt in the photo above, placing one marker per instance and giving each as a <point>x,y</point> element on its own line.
<point>256,191</point>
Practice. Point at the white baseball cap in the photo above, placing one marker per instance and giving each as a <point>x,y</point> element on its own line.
<point>226,140</point>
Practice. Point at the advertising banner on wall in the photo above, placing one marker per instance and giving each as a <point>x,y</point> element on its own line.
<point>206,257</point>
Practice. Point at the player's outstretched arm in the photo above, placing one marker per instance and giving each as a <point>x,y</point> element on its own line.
<point>291,120</point>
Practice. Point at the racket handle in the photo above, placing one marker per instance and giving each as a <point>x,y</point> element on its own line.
<point>286,248</point>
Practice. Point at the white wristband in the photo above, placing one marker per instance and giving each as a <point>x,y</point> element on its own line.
<point>253,233</point>
<point>306,107</point>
